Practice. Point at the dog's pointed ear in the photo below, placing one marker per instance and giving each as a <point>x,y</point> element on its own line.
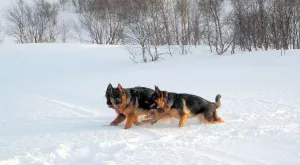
<point>109,88</point>
<point>120,87</point>
<point>157,90</point>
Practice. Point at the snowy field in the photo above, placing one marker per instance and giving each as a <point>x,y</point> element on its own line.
<point>53,109</point>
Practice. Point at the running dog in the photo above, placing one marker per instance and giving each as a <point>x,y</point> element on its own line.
<point>129,103</point>
<point>183,106</point>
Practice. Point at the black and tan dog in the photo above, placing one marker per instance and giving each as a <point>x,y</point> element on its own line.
<point>183,106</point>
<point>129,103</point>
<point>120,116</point>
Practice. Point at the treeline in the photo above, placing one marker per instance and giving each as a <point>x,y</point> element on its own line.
<point>223,25</point>
<point>264,24</point>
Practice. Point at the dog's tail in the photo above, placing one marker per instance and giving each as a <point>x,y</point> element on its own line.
<point>218,101</point>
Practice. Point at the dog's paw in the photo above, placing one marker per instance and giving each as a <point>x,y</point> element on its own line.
<point>153,122</point>
<point>137,123</point>
<point>127,127</point>
<point>221,120</point>
<point>113,124</point>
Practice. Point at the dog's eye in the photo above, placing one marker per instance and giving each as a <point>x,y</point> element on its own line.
<point>118,101</point>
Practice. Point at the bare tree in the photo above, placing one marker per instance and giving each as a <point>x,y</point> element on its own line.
<point>32,23</point>
<point>78,31</point>
<point>63,3</point>
<point>16,18</point>
<point>65,31</point>
<point>196,23</point>
<point>80,6</point>
<point>166,19</point>
<point>181,12</point>
<point>103,20</point>
<point>218,23</point>
<point>158,36</point>
<point>1,34</point>
<point>182,9</point>
<point>145,27</point>
<point>138,34</point>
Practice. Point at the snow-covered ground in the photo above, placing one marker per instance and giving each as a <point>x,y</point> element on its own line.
<point>53,109</point>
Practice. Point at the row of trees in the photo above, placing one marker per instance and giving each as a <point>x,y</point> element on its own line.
<point>1,34</point>
<point>151,24</point>
<point>264,24</point>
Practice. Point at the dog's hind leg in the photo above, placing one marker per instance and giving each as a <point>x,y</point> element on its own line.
<point>164,115</point>
<point>136,120</point>
<point>219,120</point>
<point>216,121</point>
<point>119,119</point>
<point>212,120</point>
<point>202,118</point>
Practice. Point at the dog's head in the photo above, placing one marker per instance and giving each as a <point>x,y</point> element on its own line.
<point>118,97</point>
<point>158,98</point>
<point>108,93</point>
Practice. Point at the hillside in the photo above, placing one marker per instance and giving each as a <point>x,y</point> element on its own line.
<point>53,109</point>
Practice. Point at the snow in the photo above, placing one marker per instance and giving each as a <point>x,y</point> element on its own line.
<point>53,109</point>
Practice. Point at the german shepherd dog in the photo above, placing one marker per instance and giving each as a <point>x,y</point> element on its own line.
<point>129,103</point>
<point>120,116</point>
<point>183,106</point>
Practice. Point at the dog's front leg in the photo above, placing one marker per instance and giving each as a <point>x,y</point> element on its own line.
<point>182,119</point>
<point>119,119</point>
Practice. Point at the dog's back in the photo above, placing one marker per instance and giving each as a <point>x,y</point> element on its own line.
<point>142,96</point>
<point>195,104</point>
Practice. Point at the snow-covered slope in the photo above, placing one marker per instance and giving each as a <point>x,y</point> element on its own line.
<point>53,109</point>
